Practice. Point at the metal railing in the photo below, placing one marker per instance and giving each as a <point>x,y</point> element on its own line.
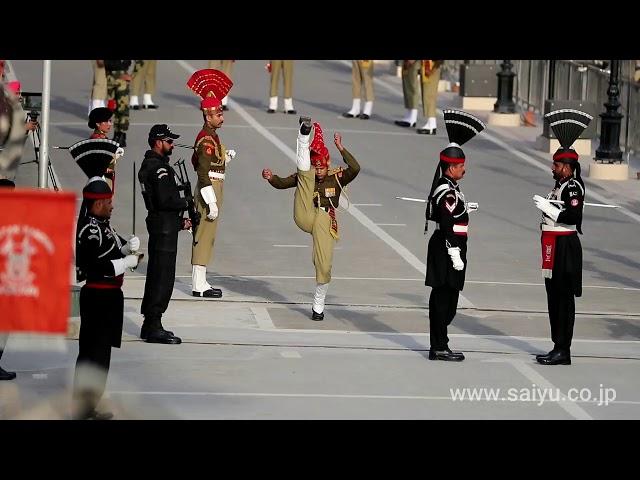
<point>574,80</point>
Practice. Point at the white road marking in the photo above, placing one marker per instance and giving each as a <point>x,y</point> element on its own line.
<point>400,249</point>
<point>290,354</point>
<point>534,377</point>
<point>263,318</point>
<point>324,395</point>
<point>389,279</point>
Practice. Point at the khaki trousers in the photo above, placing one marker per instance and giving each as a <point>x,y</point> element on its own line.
<point>361,72</point>
<point>225,66</point>
<point>144,81</point>
<point>99,89</point>
<point>287,68</point>
<point>202,251</point>
<point>315,221</point>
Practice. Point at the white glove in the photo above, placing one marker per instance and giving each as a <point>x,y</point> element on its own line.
<point>132,245</point>
<point>230,155</point>
<point>454,253</point>
<point>547,207</point>
<point>209,197</point>
<point>213,211</point>
<point>472,207</point>
<point>119,153</point>
<point>119,265</point>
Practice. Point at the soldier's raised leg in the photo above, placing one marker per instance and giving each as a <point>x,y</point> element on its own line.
<point>304,211</point>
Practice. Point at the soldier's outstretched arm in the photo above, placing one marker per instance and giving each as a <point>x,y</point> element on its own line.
<point>279,182</point>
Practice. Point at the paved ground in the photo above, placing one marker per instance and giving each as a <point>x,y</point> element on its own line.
<point>256,353</point>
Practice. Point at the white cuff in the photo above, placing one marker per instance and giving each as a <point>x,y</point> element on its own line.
<point>208,195</point>
<point>118,266</point>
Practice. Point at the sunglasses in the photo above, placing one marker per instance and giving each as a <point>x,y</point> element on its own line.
<point>169,141</point>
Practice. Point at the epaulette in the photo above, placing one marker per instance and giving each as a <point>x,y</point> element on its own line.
<point>206,137</point>
<point>337,170</point>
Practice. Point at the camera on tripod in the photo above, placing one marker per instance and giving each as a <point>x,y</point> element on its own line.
<point>32,104</point>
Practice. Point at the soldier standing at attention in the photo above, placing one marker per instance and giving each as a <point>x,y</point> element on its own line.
<point>560,225</point>
<point>164,221</point>
<point>99,88</point>
<point>447,250</point>
<point>315,201</point>
<point>102,256</point>
<point>361,73</point>
<point>410,70</point>
<point>274,67</point>
<point>144,79</point>
<point>210,158</point>
<point>429,79</point>
<point>118,78</point>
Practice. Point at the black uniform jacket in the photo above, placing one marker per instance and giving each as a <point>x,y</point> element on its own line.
<point>330,188</point>
<point>452,219</point>
<point>162,198</point>
<point>97,243</point>
<point>101,299</point>
<point>567,265</point>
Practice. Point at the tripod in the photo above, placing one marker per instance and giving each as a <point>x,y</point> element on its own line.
<point>35,137</point>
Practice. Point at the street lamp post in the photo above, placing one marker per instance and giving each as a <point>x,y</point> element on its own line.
<point>609,149</point>
<point>505,103</point>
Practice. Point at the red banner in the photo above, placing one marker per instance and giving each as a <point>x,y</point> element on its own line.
<point>36,253</point>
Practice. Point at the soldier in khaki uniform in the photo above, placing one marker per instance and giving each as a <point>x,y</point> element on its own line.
<point>361,73</point>
<point>99,89</point>
<point>429,79</point>
<point>274,67</point>
<point>144,80</point>
<point>315,201</point>
<point>209,159</point>
<point>226,67</point>
<point>429,73</point>
<point>410,70</point>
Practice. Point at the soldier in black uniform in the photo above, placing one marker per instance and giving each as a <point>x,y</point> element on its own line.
<point>447,251</point>
<point>561,248</point>
<point>102,257</point>
<point>164,220</point>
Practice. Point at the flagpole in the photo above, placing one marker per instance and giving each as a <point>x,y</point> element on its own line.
<point>44,141</point>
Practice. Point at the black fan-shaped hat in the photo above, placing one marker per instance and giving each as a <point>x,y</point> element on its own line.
<point>461,126</point>
<point>568,124</point>
<point>94,156</point>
